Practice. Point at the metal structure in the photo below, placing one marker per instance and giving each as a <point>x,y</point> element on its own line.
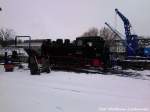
<point>16,38</point>
<point>113,30</point>
<point>29,46</point>
<point>117,49</point>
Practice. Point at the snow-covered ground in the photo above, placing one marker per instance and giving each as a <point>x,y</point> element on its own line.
<point>72,92</point>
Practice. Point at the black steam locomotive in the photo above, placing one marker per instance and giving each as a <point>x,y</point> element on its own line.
<point>84,52</point>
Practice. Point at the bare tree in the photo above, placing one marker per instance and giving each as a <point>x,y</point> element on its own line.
<point>91,32</point>
<point>108,36</point>
<point>105,33</point>
<point>6,37</point>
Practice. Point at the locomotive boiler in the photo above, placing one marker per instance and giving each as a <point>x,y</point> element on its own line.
<point>83,52</point>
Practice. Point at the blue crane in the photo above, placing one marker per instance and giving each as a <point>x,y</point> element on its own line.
<point>131,40</point>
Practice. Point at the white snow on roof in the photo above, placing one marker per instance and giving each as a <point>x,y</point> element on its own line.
<point>9,50</point>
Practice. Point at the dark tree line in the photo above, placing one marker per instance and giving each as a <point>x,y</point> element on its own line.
<point>104,32</point>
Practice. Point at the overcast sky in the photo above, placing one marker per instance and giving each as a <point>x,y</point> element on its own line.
<point>70,18</point>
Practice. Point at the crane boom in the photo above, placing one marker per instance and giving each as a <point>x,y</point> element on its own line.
<point>117,34</point>
<point>126,22</point>
<point>131,40</point>
<point>112,30</point>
